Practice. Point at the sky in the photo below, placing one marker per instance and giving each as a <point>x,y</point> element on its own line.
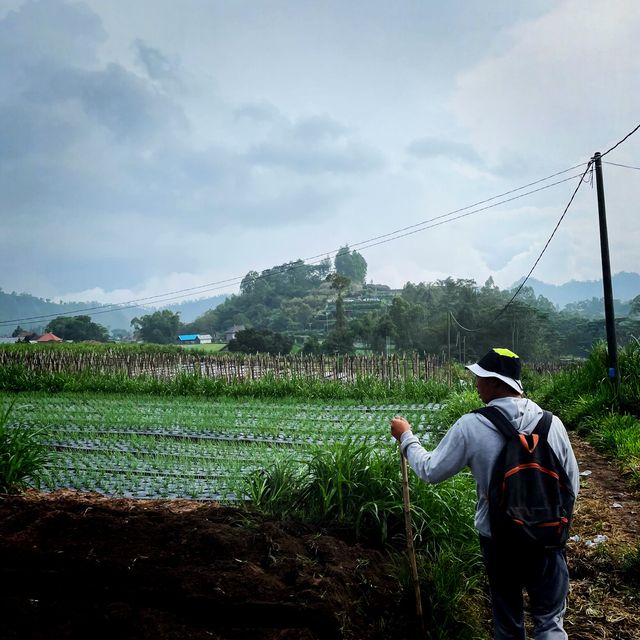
<point>156,146</point>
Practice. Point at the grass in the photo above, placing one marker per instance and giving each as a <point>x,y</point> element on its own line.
<point>22,456</point>
<point>213,347</point>
<point>608,417</point>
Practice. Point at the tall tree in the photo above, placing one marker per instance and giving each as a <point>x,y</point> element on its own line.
<point>77,328</point>
<point>351,264</point>
<point>340,339</point>
<point>161,327</point>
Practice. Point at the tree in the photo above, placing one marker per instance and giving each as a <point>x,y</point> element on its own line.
<point>260,341</point>
<point>77,328</point>
<point>351,264</point>
<point>17,331</point>
<point>338,341</point>
<point>161,327</point>
<point>311,346</point>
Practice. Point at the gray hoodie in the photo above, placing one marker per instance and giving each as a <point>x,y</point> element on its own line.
<point>473,441</point>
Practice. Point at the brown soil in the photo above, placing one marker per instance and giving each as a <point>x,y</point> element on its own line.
<point>602,604</point>
<point>82,566</point>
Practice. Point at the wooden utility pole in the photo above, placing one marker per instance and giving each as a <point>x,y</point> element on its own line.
<point>612,346</point>
<point>449,345</point>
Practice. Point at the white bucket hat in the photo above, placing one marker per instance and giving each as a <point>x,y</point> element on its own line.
<point>502,364</point>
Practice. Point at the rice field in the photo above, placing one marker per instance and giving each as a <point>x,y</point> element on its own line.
<point>152,447</point>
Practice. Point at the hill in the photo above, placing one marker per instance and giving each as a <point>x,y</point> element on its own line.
<point>626,286</point>
<point>35,313</point>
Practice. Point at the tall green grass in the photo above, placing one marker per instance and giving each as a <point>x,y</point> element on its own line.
<point>606,416</point>
<point>22,457</point>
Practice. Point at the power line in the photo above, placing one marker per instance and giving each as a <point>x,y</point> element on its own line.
<point>617,144</point>
<point>469,213</point>
<point>589,166</point>
<point>462,327</point>
<point>535,264</point>
<point>617,164</point>
<point>471,206</point>
<point>363,245</point>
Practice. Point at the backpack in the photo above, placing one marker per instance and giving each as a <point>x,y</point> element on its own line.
<point>530,495</point>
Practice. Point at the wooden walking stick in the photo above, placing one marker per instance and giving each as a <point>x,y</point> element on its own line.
<point>409,535</point>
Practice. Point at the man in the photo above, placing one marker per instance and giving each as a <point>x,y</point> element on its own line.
<point>475,442</point>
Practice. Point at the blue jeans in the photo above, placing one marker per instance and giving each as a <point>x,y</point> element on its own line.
<point>543,573</point>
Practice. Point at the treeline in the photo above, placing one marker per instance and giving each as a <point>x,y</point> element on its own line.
<point>328,308</point>
<point>454,316</point>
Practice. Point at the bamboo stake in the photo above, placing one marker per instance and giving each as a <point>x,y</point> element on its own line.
<point>410,548</point>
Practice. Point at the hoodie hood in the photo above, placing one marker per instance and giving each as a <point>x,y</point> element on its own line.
<point>523,413</point>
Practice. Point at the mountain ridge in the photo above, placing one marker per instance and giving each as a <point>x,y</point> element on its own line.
<point>25,306</point>
<point>626,286</point>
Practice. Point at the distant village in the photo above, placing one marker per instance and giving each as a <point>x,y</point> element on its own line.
<point>225,337</point>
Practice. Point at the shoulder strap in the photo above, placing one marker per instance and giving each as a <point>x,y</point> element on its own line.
<point>499,420</point>
<point>542,428</point>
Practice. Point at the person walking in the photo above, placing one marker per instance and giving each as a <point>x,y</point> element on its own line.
<point>513,564</point>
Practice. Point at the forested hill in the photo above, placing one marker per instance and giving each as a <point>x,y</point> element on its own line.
<point>329,307</point>
<point>23,305</point>
<point>333,310</point>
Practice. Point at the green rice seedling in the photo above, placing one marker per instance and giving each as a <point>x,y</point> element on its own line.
<point>22,456</point>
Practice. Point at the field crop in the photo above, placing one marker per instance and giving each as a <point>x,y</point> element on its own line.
<point>148,447</point>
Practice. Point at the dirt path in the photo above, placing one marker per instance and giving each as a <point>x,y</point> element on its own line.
<point>607,524</point>
<point>82,566</point>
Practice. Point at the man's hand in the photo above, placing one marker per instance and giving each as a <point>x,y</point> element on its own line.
<point>398,426</point>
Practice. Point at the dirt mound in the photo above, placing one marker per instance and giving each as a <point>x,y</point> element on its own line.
<point>78,566</point>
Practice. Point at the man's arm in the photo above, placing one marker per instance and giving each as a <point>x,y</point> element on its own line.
<point>449,457</point>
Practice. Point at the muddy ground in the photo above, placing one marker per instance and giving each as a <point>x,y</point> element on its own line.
<point>86,567</point>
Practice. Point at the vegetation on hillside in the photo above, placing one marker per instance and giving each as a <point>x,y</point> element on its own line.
<point>334,313</point>
<point>606,416</point>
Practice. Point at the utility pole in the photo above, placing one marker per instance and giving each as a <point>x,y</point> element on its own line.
<point>449,345</point>
<point>612,346</point>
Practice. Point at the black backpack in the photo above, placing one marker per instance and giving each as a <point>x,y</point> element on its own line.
<point>530,495</point>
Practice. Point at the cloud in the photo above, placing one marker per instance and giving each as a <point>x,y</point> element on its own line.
<point>155,63</point>
<point>559,83</point>
<point>315,145</point>
<point>433,147</point>
<point>112,97</point>
<point>99,153</point>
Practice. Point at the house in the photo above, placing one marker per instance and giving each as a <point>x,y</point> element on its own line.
<point>9,340</point>
<point>27,336</point>
<point>230,334</point>
<point>193,338</point>
<point>49,337</point>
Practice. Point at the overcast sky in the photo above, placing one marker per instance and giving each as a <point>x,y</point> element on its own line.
<point>148,146</point>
